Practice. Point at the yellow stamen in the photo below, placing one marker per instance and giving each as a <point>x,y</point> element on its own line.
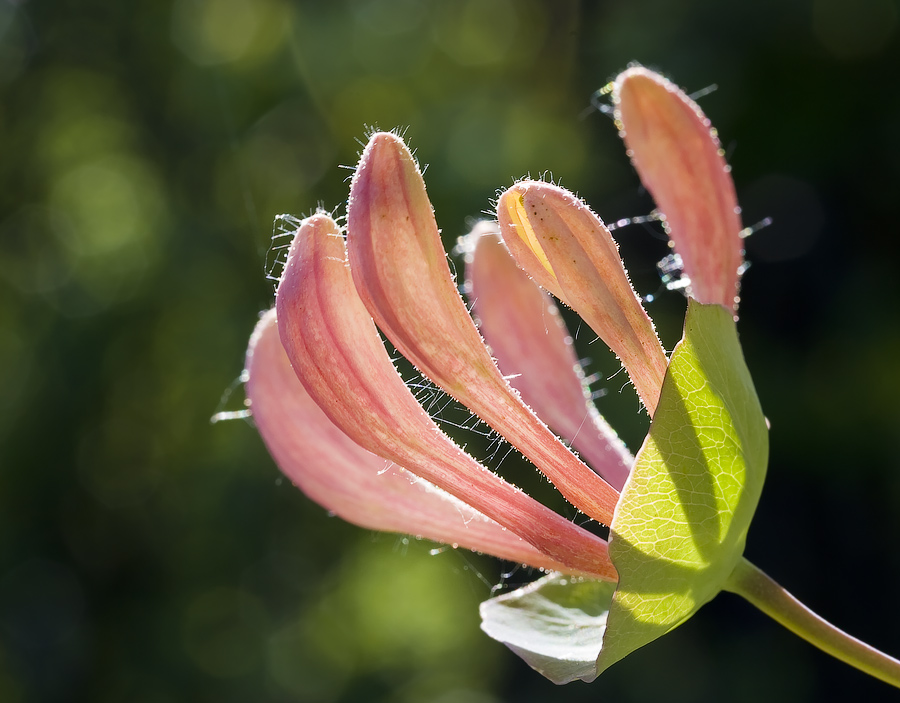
<point>523,228</point>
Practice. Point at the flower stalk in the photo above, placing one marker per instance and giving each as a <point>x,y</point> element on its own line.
<point>762,591</point>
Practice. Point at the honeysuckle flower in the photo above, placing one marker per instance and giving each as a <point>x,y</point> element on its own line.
<point>342,424</point>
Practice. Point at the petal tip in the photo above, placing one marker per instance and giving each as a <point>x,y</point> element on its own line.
<point>381,144</point>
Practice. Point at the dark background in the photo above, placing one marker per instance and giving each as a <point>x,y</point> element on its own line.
<point>148,555</point>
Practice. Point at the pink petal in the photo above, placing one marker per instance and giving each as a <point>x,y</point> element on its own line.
<point>579,262</point>
<point>401,272</point>
<point>532,346</point>
<point>678,157</point>
<point>344,478</point>
<point>338,356</point>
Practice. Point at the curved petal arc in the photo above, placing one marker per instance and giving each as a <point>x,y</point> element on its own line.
<point>679,159</point>
<point>587,275</point>
<point>338,356</point>
<point>342,477</point>
<point>528,338</point>
<point>400,269</point>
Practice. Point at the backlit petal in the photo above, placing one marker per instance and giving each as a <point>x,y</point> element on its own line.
<point>584,270</point>
<point>678,157</point>
<point>401,271</point>
<point>533,349</point>
<point>337,354</point>
<point>351,482</point>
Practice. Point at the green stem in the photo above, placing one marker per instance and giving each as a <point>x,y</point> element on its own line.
<point>749,582</point>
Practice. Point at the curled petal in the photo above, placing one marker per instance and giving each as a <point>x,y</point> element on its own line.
<point>351,482</point>
<point>678,157</point>
<point>338,356</point>
<point>540,221</point>
<point>533,349</point>
<point>401,272</point>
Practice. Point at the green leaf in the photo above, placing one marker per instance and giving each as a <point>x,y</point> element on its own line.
<point>680,524</point>
<point>555,624</point>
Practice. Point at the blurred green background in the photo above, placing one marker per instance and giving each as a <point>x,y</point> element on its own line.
<point>148,555</point>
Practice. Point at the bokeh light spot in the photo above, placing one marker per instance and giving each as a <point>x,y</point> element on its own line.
<point>115,215</point>
<point>212,32</point>
<point>482,33</point>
